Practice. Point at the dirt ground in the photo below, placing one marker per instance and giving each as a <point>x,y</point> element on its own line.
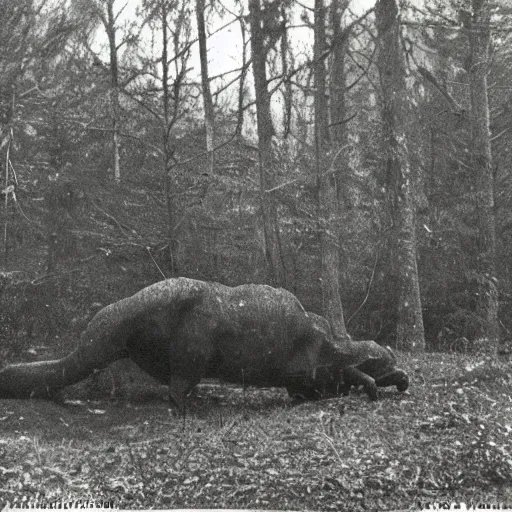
<point>448,438</point>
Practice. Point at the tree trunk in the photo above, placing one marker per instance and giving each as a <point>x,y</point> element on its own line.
<point>479,41</point>
<point>205,83</point>
<point>273,252</point>
<point>241,83</point>
<point>17,25</point>
<point>337,82</point>
<point>285,69</point>
<point>327,194</point>
<point>395,116</point>
<point>168,151</point>
<point>114,91</point>
<point>338,107</point>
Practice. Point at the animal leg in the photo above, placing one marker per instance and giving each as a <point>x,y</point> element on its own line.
<point>302,393</point>
<point>397,378</point>
<point>179,388</point>
<point>354,377</point>
<point>344,388</point>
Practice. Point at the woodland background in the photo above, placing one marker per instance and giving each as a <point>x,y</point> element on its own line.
<point>355,155</point>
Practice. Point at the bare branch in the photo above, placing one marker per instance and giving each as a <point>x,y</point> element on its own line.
<point>123,229</point>
<point>120,11</point>
<point>500,134</point>
<point>352,58</point>
<point>365,71</point>
<point>142,104</point>
<point>344,121</point>
<point>128,135</point>
<point>427,75</point>
<point>231,82</point>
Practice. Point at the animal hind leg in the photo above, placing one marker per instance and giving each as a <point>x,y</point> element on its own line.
<point>302,393</point>
<point>179,388</point>
<point>397,378</point>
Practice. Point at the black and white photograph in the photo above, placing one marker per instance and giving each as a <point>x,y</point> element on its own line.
<point>256,255</point>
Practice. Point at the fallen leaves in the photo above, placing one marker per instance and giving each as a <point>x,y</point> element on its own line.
<point>254,450</point>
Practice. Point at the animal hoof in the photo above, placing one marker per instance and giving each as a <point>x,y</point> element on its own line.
<point>298,400</point>
<point>403,383</point>
<point>372,392</point>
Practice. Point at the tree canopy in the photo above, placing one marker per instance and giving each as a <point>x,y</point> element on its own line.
<point>137,144</point>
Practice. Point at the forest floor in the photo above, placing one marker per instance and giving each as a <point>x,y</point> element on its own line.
<point>448,438</point>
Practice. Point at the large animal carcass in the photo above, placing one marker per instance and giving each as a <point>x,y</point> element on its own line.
<point>182,330</point>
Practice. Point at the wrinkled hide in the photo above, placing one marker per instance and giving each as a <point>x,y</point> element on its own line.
<point>365,363</point>
<point>181,330</point>
<point>369,364</point>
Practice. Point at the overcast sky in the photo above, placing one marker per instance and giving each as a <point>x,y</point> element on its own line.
<point>224,47</point>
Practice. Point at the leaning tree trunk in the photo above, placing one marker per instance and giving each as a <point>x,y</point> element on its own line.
<point>327,187</point>
<point>273,251</point>
<point>395,115</point>
<point>479,40</point>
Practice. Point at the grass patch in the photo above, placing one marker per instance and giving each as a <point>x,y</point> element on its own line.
<point>449,437</point>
